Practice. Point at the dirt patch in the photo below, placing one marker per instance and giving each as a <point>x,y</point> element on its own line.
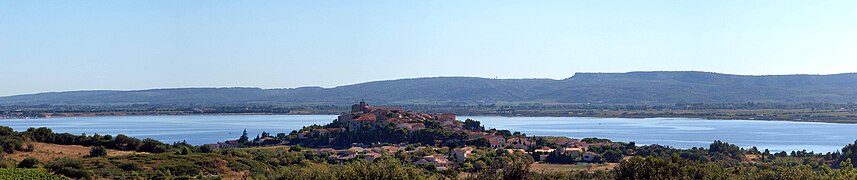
<point>752,158</point>
<point>47,152</point>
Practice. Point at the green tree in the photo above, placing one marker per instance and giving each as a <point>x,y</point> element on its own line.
<point>6,131</point>
<point>127,143</point>
<point>153,146</point>
<point>206,148</point>
<point>612,156</point>
<point>473,125</point>
<point>244,138</point>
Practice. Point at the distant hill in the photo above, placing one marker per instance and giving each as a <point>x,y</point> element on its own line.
<point>610,88</point>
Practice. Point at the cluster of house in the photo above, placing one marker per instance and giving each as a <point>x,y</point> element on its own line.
<point>361,114</point>
<point>568,151</point>
<point>355,152</point>
<point>574,148</point>
<point>20,114</point>
<point>445,161</point>
<point>441,161</point>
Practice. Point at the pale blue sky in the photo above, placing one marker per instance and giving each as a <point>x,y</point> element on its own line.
<point>83,45</point>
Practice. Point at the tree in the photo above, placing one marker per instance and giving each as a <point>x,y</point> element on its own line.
<point>612,156</point>
<point>206,148</point>
<point>6,131</point>
<point>431,167</point>
<point>153,146</point>
<point>127,143</point>
<point>98,151</point>
<point>295,148</point>
<point>41,134</point>
<point>244,138</point>
<point>473,125</point>
<point>479,142</point>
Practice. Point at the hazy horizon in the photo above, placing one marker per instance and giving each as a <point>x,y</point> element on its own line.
<point>310,86</point>
<point>52,46</point>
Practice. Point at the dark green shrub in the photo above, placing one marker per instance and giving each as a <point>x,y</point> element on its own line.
<point>29,162</point>
<point>98,151</point>
<point>72,168</point>
<point>180,169</point>
<point>130,166</point>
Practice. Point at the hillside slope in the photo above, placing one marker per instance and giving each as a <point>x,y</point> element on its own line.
<point>612,88</point>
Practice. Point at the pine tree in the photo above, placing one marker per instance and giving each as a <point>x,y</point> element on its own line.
<point>244,138</point>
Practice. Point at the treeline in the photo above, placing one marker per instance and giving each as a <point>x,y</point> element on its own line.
<point>39,111</point>
<point>14,141</point>
<point>462,109</point>
<point>628,107</point>
<point>154,108</point>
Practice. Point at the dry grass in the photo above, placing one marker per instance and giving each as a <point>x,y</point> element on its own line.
<point>752,158</point>
<point>47,152</point>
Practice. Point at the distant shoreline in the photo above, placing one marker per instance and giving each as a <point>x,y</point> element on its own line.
<point>122,114</point>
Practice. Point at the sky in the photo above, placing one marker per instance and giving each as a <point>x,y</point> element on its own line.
<point>62,45</point>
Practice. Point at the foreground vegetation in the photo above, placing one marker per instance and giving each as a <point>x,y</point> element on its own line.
<point>27,173</point>
<point>181,161</point>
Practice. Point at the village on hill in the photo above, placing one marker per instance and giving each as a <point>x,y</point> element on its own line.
<point>437,140</point>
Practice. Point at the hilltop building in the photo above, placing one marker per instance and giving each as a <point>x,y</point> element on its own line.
<point>362,114</point>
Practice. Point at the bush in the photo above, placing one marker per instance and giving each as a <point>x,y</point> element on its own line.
<point>130,166</point>
<point>180,169</point>
<point>98,151</point>
<point>11,144</point>
<point>72,168</point>
<point>29,162</point>
<point>185,151</point>
<point>8,163</point>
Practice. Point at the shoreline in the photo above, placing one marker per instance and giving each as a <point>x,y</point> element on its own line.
<point>122,114</point>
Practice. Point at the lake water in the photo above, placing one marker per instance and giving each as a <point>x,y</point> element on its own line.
<point>676,132</point>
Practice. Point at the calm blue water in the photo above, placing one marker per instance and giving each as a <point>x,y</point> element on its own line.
<point>676,132</point>
<point>686,133</point>
<point>196,130</point>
